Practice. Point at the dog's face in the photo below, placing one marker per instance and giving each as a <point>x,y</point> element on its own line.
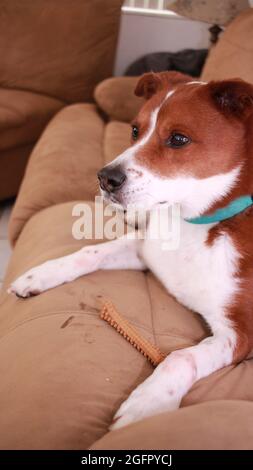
<point>190,145</point>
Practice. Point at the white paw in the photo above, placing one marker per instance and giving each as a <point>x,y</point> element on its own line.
<point>150,398</point>
<point>36,280</point>
<point>56,272</point>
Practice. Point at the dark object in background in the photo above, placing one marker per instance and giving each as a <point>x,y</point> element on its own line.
<point>189,61</point>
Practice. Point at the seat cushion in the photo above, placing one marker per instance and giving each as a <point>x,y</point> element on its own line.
<point>66,371</point>
<point>209,426</point>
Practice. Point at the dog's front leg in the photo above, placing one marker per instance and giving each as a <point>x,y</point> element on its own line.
<point>172,379</point>
<point>117,254</point>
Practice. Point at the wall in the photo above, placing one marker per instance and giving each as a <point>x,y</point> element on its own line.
<point>141,34</point>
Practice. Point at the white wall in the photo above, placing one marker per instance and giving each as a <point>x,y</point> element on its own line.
<point>141,34</point>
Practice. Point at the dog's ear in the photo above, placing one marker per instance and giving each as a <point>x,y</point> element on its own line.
<point>150,83</point>
<point>233,97</point>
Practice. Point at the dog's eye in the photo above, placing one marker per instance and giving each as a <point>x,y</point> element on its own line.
<point>176,140</point>
<point>135,132</point>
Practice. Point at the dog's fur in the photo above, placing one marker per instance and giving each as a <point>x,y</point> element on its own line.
<point>212,270</point>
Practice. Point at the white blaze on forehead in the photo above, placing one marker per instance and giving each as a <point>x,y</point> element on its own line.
<point>195,82</point>
<point>152,123</point>
<point>168,95</point>
<point>131,151</point>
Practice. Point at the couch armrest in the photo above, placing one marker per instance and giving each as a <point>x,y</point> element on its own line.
<point>24,115</point>
<point>115,96</point>
<point>18,106</point>
<point>62,166</point>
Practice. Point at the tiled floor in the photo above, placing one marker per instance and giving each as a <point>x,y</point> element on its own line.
<point>5,250</point>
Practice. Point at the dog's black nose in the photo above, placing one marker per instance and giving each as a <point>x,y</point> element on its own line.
<point>111,179</point>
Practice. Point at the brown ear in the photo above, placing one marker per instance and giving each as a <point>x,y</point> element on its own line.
<point>233,97</point>
<point>151,83</point>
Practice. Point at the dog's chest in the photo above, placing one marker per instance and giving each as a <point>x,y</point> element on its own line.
<point>199,275</point>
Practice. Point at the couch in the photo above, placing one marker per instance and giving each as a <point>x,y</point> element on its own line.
<point>52,54</point>
<point>64,372</point>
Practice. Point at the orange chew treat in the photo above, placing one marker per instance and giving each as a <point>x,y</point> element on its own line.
<point>149,350</point>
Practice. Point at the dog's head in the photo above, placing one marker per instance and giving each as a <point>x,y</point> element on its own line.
<point>191,144</point>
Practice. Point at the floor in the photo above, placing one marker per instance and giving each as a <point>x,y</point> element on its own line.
<point>5,250</point>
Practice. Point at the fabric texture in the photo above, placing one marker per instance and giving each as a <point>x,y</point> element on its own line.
<point>63,164</point>
<point>208,426</point>
<point>115,96</point>
<point>232,56</point>
<point>23,116</point>
<point>58,49</point>
<point>68,371</point>
<point>52,53</point>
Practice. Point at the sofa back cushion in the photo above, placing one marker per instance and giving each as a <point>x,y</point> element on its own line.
<point>233,55</point>
<point>59,48</point>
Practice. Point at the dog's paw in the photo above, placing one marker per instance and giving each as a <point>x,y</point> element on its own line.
<point>148,399</point>
<point>37,280</point>
<point>55,272</point>
<point>31,283</point>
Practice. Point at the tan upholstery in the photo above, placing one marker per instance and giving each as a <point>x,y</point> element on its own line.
<point>232,56</point>
<point>52,53</point>
<point>214,425</point>
<point>115,96</point>
<point>23,116</point>
<point>63,165</point>
<point>58,49</point>
<point>68,401</point>
<point>117,137</point>
<point>14,169</point>
<point>66,371</point>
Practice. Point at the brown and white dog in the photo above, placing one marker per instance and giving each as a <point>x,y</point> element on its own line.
<point>192,144</point>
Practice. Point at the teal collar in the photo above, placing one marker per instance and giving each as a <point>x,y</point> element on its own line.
<point>234,208</point>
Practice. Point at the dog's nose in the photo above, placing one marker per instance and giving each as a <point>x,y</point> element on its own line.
<point>111,179</point>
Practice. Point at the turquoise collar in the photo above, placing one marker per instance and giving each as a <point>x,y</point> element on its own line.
<point>234,208</point>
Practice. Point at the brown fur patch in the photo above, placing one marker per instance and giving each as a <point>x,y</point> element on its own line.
<point>218,118</point>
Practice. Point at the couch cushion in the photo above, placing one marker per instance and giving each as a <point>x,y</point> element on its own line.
<point>66,371</point>
<point>233,55</point>
<point>63,379</point>
<point>116,139</point>
<point>214,425</point>
<point>78,143</point>
<point>57,48</point>
<point>63,164</point>
<point>23,116</point>
<point>115,96</point>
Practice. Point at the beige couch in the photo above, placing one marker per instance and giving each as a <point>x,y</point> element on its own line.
<point>64,372</point>
<point>52,53</point>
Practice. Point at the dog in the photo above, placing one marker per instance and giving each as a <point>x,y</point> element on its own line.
<point>192,146</point>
